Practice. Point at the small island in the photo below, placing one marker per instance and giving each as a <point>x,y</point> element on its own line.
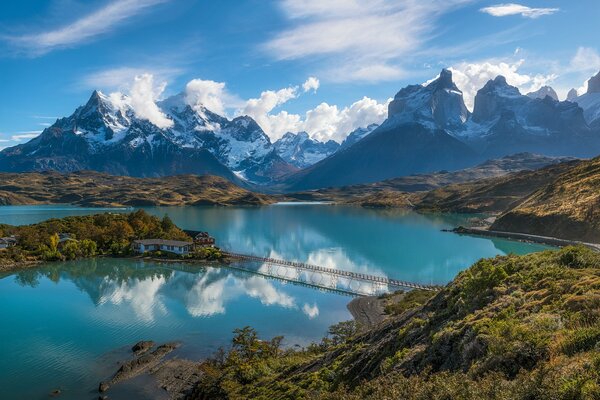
<point>137,234</point>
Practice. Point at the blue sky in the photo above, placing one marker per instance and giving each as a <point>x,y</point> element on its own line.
<point>253,56</point>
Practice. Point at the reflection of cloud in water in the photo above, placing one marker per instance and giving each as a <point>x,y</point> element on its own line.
<point>332,258</point>
<point>141,295</point>
<point>310,311</point>
<point>260,288</point>
<point>203,295</point>
<point>207,296</point>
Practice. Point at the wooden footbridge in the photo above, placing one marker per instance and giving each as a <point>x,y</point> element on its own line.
<point>330,278</point>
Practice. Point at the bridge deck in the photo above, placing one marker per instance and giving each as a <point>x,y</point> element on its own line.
<point>332,271</point>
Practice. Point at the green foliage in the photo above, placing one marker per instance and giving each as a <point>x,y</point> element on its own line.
<point>90,235</point>
<point>582,339</point>
<point>407,301</point>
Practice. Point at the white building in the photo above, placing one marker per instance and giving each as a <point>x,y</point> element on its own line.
<point>7,242</point>
<point>173,246</point>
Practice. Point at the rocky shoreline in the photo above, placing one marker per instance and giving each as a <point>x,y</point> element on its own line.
<point>176,377</point>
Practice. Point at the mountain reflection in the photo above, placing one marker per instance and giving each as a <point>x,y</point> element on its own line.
<point>146,287</point>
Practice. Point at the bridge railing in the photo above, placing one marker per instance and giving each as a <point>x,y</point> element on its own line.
<point>332,271</point>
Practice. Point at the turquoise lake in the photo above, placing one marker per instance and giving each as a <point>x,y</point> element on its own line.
<point>65,325</point>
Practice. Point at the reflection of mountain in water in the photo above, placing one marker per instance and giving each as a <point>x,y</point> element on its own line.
<point>146,287</point>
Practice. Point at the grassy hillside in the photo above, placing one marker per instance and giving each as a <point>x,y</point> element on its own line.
<point>567,207</point>
<point>98,189</point>
<point>489,195</point>
<point>490,187</point>
<point>513,327</point>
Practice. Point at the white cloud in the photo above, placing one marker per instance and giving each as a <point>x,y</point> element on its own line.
<point>368,37</point>
<point>470,77</point>
<point>326,122</point>
<point>585,59</point>
<point>20,136</point>
<point>275,125</point>
<point>311,83</point>
<point>209,94</point>
<point>503,10</point>
<point>84,29</point>
<point>143,96</point>
<point>323,123</point>
<point>120,78</point>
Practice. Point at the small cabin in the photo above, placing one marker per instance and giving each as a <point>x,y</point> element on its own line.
<point>65,237</point>
<point>172,246</point>
<point>201,239</point>
<point>7,242</point>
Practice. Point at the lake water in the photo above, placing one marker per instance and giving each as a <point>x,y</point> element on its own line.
<point>65,325</point>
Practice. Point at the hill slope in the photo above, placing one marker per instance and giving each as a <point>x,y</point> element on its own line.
<point>96,189</point>
<point>512,327</point>
<point>567,207</point>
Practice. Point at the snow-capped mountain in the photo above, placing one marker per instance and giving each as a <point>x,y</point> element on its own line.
<point>414,138</point>
<point>357,135</point>
<point>543,92</point>
<point>590,102</point>
<point>438,105</point>
<point>301,151</point>
<point>429,128</point>
<point>106,135</point>
<point>504,122</point>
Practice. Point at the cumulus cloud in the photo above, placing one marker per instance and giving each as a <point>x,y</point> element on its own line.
<point>368,37</point>
<point>206,93</point>
<point>504,10</point>
<point>143,96</point>
<point>311,83</point>
<point>326,122</point>
<point>85,28</point>
<point>275,125</point>
<point>470,77</point>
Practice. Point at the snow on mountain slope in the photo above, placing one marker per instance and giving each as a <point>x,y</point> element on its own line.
<point>108,125</point>
<point>357,135</point>
<point>439,105</point>
<point>302,151</point>
<point>542,92</point>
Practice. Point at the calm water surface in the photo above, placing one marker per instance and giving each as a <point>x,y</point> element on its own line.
<point>65,325</point>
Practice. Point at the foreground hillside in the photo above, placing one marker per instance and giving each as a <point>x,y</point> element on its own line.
<point>512,327</point>
<point>568,207</point>
<point>102,190</point>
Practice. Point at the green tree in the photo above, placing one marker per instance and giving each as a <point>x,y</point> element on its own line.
<point>167,224</point>
<point>53,242</point>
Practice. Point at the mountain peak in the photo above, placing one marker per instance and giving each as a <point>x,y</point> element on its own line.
<point>439,103</point>
<point>594,84</point>
<point>542,92</point>
<point>572,95</point>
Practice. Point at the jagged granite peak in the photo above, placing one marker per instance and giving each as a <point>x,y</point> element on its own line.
<point>439,104</point>
<point>301,151</point>
<point>572,95</point>
<point>543,92</point>
<point>495,96</point>
<point>357,134</point>
<point>594,84</point>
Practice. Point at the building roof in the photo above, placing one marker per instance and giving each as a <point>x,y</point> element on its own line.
<point>176,243</point>
<point>8,239</point>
